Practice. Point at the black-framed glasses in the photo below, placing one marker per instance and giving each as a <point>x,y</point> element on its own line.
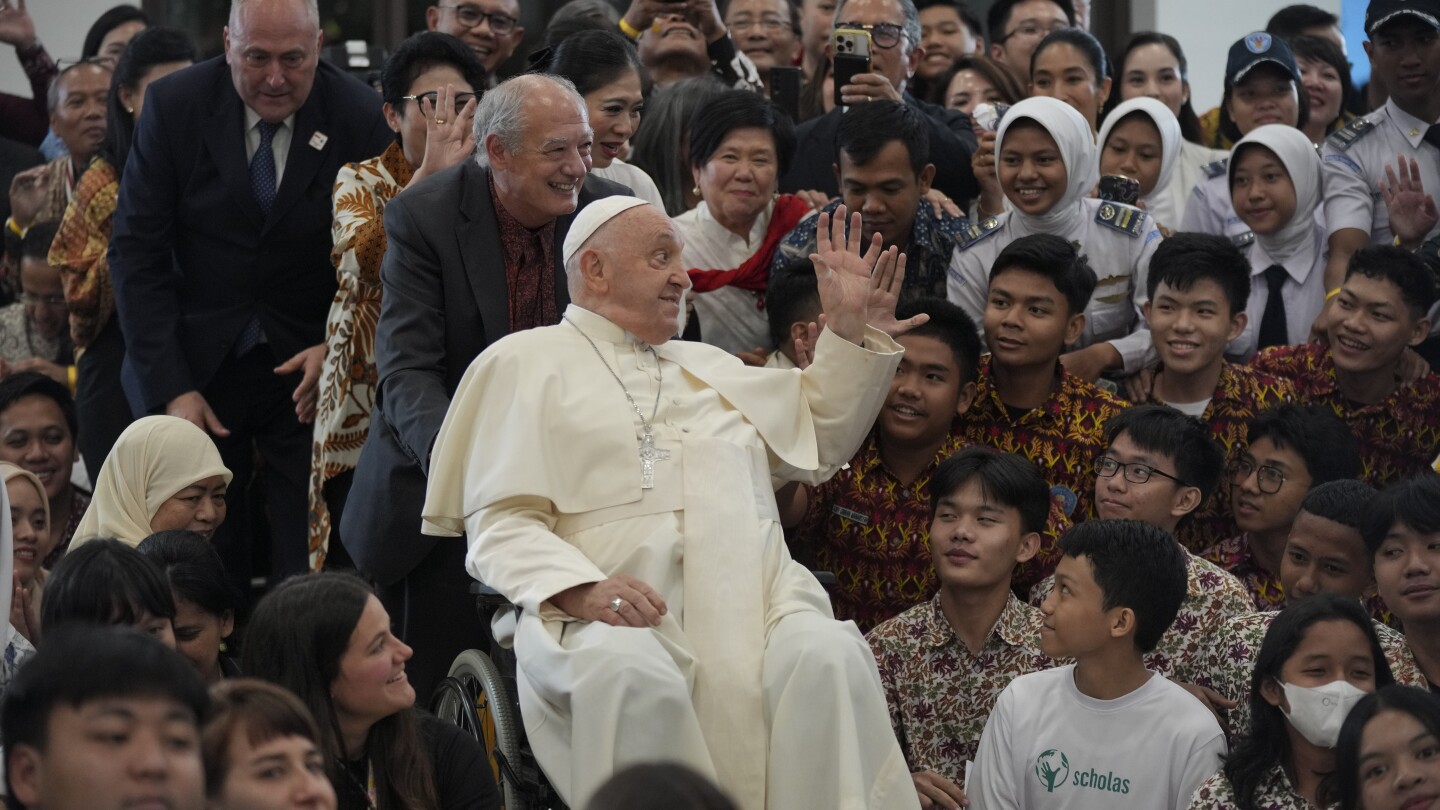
<point>884,35</point>
<point>471,16</point>
<point>1268,478</point>
<point>771,25</point>
<point>1135,472</point>
<point>1032,30</point>
<point>460,99</point>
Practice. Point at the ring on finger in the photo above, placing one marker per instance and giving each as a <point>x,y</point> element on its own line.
<point>616,604</point>
<point>439,120</point>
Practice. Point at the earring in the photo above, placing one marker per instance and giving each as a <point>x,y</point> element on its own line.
<point>695,191</point>
<point>130,110</point>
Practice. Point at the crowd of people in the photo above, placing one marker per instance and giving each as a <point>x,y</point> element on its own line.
<point>1110,426</point>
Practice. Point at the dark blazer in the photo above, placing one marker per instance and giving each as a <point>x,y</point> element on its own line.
<point>192,257</point>
<point>952,142</point>
<point>445,299</point>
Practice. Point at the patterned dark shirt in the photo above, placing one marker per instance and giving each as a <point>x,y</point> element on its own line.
<point>79,502</point>
<point>927,255</point>
<point>1233,554</point>
<point>1062,437</point>
<point>940,694</point>
<point>529,258</point>
<point>1273,793</point>
<point>1397,436</point>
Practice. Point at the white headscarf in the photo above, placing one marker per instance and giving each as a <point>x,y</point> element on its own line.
<point>1298,156</point>
<point>1072,135</point>
<point>154,458</point>
<point>1165,121</point>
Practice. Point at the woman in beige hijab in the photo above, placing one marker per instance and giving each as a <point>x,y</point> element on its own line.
<point>163,473</point>
<point>32,542</point>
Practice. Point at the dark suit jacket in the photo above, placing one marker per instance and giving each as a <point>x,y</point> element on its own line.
<point>192,257</point>
<point>445,299</point>
<point>952,142</point>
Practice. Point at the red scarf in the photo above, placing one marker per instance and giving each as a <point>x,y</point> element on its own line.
<point>754,273</point>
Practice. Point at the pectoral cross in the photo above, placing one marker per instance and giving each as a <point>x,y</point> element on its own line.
<point>649,454</point>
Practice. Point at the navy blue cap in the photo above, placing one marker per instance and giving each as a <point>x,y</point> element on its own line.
<point>1380,12</point>
<point>1255,49</point>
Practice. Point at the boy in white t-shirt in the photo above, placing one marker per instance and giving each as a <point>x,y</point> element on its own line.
<point>1104,731</point>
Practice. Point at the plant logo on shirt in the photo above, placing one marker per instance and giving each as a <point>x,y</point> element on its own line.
<point>1052,767</point>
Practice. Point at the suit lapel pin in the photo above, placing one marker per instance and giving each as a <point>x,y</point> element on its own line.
<point>318,141</point>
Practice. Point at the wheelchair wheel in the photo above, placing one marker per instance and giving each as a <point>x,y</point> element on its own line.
<point>475,698</point>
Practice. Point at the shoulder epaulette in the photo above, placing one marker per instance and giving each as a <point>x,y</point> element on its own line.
<point>1217,168</point>
<point>978,231</point>
<point>1122,218</point>
<point>1346,136</point>
<point>1241,240</point>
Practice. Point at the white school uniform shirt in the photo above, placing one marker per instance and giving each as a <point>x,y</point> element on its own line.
<point>1303,291</point>
<point>1355,157</point>
<point>1168,204</point>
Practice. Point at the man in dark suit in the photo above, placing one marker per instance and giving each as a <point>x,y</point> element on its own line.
<point>474,254</point>
<point>220,254</point>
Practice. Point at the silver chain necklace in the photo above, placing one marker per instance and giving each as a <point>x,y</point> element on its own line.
<point>649,453</point>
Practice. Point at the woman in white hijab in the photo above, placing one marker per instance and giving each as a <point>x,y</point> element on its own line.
<point>1140,139</point>
<point>1276,187</point>
<point>1047,166</point>
<point>16,648</point>
<point>163,473</point>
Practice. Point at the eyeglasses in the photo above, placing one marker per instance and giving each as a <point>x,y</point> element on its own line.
<point>1032,30</point>
<point>770,24</point>
<point>884,35</point>
<point>471,16</point>
<point>63,66</point>
<point>1268,478</point>
<point>460,99</point>
<point>1135,473</point>
<point>52,301</point>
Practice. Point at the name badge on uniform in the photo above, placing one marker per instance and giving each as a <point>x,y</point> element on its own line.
<point>851,514</point>
<point>318,141</point>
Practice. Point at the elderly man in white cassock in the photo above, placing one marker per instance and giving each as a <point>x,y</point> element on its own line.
<point>618,486</point>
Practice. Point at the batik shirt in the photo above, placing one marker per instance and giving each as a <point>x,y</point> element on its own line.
<point>1227,661</point>
<point>1273,793</point>
<point>940,694</point>
<point>1234,556</point>
<point>1241,393</point>
<point>1062,437</point>
<point>1396,436</point>
<point>1212,597</point>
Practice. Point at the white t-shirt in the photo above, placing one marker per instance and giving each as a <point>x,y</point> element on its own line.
<point>1047,746</point>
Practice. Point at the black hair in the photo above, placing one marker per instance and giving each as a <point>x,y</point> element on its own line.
<point>1344,501</point>
<point>594,59</point>
<point>792,12</point>
<point>867,128</point>
<point>1082,41</point>
<point>194,569</point>
<point>658,147</point>
<point>968,17</point>
<point>1008,479</point>
<point>950,325</point>
<point>107,22</point>
<point>1190,128</point>
<point>561,29</point>
<point>36,242</point>
<point>1420,704</point>
<point>739,109</point>
<point>1413,503</point>
<point>1199,461</point>
<point>32,383</point>
<point>104,581</point>
<point>157,45</point>
<point>1401,268</point>
<point>1054,258</point>
<point>1292,21</point>
<point>998,16</point>
<point>80,663</point>
<point>792,295</point>
<point>1136,565</point>
<point>659,786</point>
<point>1185,258</point>
<point>1325,50</point>
<point>1268,742</point>
<point>421,52</point>
<point>1000,75</point>
<point>1321,439</point>
<point>1231,130</point>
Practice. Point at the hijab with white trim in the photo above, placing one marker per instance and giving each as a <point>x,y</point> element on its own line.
<point>1295,240</point>
<point>1164,120</point>
<point>1072,136</point>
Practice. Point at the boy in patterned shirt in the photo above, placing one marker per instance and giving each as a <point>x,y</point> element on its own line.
<point>1292,449</point>
<point>1025,400</point>
<point>1378,313</point>
<point>945,662</point>
<point>1159,466</point>
<point>1199,285</point>
<point>1402,535</point>
<point>1325,554</point>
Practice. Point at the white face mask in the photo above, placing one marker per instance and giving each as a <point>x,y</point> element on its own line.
<point>1317,712</point>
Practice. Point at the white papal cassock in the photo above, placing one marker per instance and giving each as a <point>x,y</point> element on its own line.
<point>748,678</point>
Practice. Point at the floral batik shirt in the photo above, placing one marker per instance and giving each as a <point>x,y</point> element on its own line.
<point>1234,556</point>
<point>1212,598</point>
<point>940,694</point>
<point>1273,793</point>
